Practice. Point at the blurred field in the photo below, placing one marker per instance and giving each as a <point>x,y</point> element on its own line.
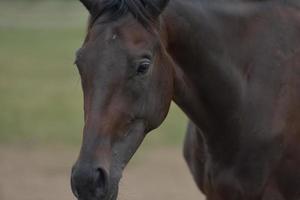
<point>43,174</point>
<point>41,111</point>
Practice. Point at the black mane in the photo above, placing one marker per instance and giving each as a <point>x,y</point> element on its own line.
<point>142,10</point>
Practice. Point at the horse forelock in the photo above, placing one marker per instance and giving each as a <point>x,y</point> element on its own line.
<point>142,11</point>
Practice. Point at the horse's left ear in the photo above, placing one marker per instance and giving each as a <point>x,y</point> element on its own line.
<point>156,7</point>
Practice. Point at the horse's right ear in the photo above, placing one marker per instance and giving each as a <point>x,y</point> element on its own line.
<point>93,6</point>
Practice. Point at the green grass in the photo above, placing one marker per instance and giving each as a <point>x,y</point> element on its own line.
<point>40,94</point>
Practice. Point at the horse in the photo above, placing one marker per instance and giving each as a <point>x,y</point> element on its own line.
<point>232,67</point>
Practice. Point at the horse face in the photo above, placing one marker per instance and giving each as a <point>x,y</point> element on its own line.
<point>127,88</point>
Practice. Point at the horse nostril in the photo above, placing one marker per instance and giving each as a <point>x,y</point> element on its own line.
<point>101,182</point>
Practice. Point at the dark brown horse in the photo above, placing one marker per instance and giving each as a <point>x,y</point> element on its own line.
<point>233,68</point>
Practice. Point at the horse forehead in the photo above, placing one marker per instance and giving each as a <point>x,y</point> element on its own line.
<point>134,35</point>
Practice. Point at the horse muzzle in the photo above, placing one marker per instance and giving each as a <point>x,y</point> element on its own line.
<point>91,183</point>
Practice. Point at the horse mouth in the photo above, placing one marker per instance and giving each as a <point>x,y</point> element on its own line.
<point>110,197</point>
<point>114,196</point>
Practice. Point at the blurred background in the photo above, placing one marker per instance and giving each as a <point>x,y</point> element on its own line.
<point>41,116</point>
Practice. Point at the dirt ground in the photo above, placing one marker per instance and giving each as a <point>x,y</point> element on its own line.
<point>43,174</point>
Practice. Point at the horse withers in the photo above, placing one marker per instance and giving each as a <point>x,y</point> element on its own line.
<point>233,68</point>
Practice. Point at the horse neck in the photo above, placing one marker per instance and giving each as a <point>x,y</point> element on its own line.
<point>208,86</point>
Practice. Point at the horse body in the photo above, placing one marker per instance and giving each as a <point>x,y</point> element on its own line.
<point>233,68</point>
<point>250,93</point>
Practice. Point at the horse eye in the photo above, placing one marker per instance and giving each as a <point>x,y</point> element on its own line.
<point>143,67</point>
